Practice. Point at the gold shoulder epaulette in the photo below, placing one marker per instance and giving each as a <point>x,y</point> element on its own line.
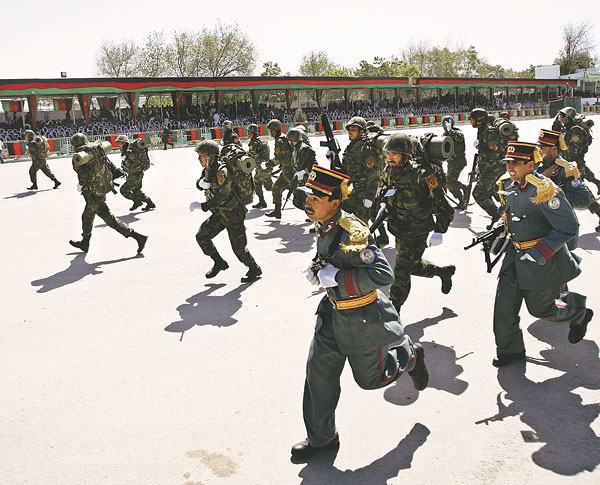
<point>546,189</point>
<point>358,231</point>
<point>571,169</point>
<point>500,183</point>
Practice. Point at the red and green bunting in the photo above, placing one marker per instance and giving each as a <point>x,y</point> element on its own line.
<point>12,106</point>
<point>63,104</point>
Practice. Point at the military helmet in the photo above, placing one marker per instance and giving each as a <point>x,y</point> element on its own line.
<point>479,114</point>
<point>78,140</point>
<point>370,123</point>
<point>398,143</point>
<point>301,128</point>
<point>228,125</point>
<point>274,124</point>
<point>505,115</point>
<point>448,119</point>
<point>208,147</point>
<point>569,112</point>
<point>122,138</point>
<point>357,121</point>
<point>253,128</point>
<point>294,135</point>
<point>491,118</point>
<point>29,133</point>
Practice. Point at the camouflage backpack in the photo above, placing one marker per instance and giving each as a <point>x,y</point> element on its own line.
<point>42,148</point>
<point>101,180</point>
<point>586,126</point>
<point>238,162</point>
<point>140,148</point>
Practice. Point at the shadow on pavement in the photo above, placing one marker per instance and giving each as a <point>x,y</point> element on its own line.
<point>22,195</point>
<point>77,270</point>
<point>127,218</point>
<point>461,220</point>
<point>206,309</point>
<point>441,363</point>
<point>552,408</point>
<point>295,238</point>
<point>589,241</point>
<point>320,469</point>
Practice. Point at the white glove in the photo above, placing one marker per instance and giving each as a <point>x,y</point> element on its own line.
<point>476,143</point>
<point>79,188</point>
<point>527,257</point>
<point>204,184</point>
<point>311,276</point>
<point>327,276</point>
<point>436,239</point>
<point>300,174</point>
<point>195,205</point>
<point>330,155</point>
<point>368,203</point>
<point>381,209</point>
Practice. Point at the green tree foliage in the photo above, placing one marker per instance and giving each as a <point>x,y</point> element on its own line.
<point>116,59</point>
<point>316,64</point>
<point>578,47</point>
<point>225,50</point>
<point>383,68</point>
<point>151,59</point>
<point>271,68</point>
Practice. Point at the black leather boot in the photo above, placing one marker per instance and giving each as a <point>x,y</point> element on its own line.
<point>84,244</point>
<point>220,265</point>
<point>445,273</point>
<point>149,205</point>
<point>275,212</point>
<point>254,273</point>
<point>141,240</point>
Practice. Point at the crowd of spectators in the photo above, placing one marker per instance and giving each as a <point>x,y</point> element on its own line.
<point>205,116</point>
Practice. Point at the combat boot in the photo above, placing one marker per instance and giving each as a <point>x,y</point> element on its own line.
<point>598,227</point>
<point>254,273</point>
<point>220,265</point>
<point>84,244</point>
<point>577,332</point>
<point>33,187</point>
<point>149,205</point>
<point>419,373</point>
<point>445,273</point>
<point>261,203</point>
<point>141,240</point>
<point>57,184</point>
<point>275,212</point>
<point>136,204</point>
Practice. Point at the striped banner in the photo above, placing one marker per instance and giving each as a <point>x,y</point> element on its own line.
<point>262,130</point>
<point>12,106</point>
<point>399,121</point>
<point>15,148</point>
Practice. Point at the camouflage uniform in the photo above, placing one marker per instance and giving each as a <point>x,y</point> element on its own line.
<point>417,199</point>
<point>134,162</point>
<point>490,169</point>
<point>38,149</point>
<point>576,139</point>
<point>227,213</point>
<point>230,137</point>
<point>456,163</point>
<point>258,149</point>
<point>360,162</point>
<point>303,158</point>
<point>283,158</point>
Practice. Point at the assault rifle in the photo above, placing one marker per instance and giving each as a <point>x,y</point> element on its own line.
<point>471,180</point>
<point>331,143</point>
<point>493,242</point>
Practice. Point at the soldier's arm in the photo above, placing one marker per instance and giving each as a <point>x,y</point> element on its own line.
<point>560,215</point>
<point>308,158</point>
<point>222,193</point>
<point>576,143</point>
<point>265,152</point>
<point>577,193</point>
<point>442,210</point>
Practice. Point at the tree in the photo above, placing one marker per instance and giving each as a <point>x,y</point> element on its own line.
<point>182,54</point>
<point>271,69</point>
<point>578,47</point>
<point>116,59</point>
<point>225,50</point>
<point>152,60</point>
<point>316,64</point>
<point>382,68</point>
<point>415,54</point>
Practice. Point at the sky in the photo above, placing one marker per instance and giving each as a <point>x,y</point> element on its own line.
<point>47,37</point>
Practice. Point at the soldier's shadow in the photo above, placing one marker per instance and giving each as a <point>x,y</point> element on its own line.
<point>461,220</point>
<point>127,219</point>
<point>78,269</point>
<point>294,238</point>
<point>442,364</point>
<point>553,408</point>
<point>29,193</point>
<point>589,241</point>
<point>206,309</point>
<point>320,469</point>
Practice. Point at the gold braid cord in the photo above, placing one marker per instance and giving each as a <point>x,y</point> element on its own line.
<point>571,169</point>
<point>359,234</point>
<point>500,184</point>
<point>545,188</point>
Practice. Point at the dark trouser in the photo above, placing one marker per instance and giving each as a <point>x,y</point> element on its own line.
<point>165,143</point>
<point>284,182</point>
<point>262,178</point>
<point>409,261</point>
<point>552,304</point>
<point>43,166</point>
<point>233,222</point>
<point>455,167</point>
<point>132,188</point>
<point>486,187</point>
<point>371,370</point>
<point>96,205</point>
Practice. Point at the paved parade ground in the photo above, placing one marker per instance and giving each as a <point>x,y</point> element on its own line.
<point>125,369</point>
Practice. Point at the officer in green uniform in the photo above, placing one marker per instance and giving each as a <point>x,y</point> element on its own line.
<point>283,158</point>
<point>38,149</point>
<point>258,149</point>
<point>412,199</point>
<point>359,161</point>
<point>456,162</point>
<point>228,135</point>
<point>578,140</point>
<point>488,146</point>
<point>303,158</point>
<point>355,320</point>
<point>134,161</point>
<point>539,222</point>
<point>227,213</point>
<point>94,188</point>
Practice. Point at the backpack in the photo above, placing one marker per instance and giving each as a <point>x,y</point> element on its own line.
<point>140,148</point>
<point>240,167</point>
<point>101,177</point>
<point>586,126</point>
